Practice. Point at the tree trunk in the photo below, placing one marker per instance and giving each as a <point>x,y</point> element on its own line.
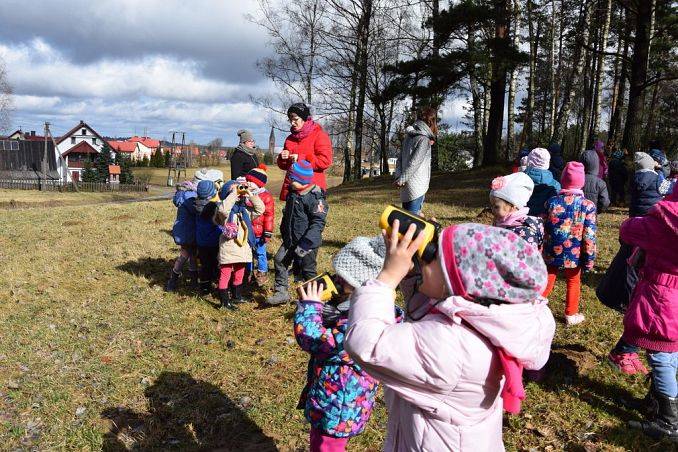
<point>588,81</point>
<point>363,46</point>
<point>492,142</point>
<point>615,129</point>
<point>615,76</point>
<point>552,69</point>
<point>476,104</point>
<point>649,129</point>
<point>570,86</point>
<point>639,66</point>
<point>435,13</point>
<point>486,100</point>
<point>529,111</point>
<point>600,71</point>
<point>350,126</point>
<point>510,126</point>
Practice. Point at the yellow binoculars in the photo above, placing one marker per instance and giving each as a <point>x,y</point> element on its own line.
<point>326,285</point>
<point>428,249</point>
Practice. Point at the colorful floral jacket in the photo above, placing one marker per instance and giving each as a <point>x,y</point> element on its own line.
<point>532,231</point>
<point>570,232</point>
<point>339,394</point>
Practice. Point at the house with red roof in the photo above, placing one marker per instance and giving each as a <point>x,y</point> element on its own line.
<point>80,144</point>
<point>134,149</point>
<point>148,142</point>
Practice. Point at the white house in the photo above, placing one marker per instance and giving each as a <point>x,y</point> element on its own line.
<point>80,144</point>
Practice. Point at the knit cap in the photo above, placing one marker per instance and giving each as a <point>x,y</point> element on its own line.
<point>573,177</point>
<point>302,172</point>
<point>226,189</point>
<point>514,188</point>
<point>245,135</point>
<point>211,174</point>
<point>300,109</point>
<point>539,158</point>
<point>488,263</point>
<point>258,176</point>
<point>360,260</point>
<point>643,161</point>
<point>206,189</point>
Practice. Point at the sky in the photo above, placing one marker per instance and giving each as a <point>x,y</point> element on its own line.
<point>129,66</point>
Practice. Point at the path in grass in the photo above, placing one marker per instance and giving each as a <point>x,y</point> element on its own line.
<point>93,354</point>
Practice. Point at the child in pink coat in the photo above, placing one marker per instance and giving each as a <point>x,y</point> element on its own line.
<point>651,320</point>
<point>483,319</point>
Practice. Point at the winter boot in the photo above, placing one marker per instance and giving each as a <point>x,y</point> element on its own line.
<point>205,287</point>
<point>279,297</point>
<point>172,282</point>
<point>225,300</point>
<point>236,294</point>
<point>664,424</point>
<point>192,278</point>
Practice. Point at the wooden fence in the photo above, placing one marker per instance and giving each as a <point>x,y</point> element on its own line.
<point>52,185</point>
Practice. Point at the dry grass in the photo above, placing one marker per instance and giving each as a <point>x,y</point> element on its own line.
<point>94,355</point>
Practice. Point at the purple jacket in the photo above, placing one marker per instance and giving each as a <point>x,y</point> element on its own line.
<point>651,321</point>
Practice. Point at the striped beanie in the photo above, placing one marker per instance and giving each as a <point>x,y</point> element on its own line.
<point>258,176</point>
<point>302,172</point>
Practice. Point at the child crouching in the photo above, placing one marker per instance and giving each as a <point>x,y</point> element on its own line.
<point>236,242</point>
<point>338,397</point>
<point>183,232</point>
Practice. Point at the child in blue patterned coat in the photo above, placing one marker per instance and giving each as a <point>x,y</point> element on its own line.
<point>338,397</point>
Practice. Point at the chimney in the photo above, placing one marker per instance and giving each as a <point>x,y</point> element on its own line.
<point>32,133</point>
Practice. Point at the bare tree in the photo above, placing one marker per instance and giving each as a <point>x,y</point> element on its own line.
<point>6,104</point>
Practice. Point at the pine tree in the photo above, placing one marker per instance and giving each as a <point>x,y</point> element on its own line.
<point>89,174</point>
<point>101,164</point>
<point>167,161</point>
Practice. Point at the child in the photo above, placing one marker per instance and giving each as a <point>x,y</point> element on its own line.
<point>647,187</point>
<point>599,148</point>
<point>262,225</point>
<point>651,321</point>
<point>618,175</point>
<point>557,162</point>
<point>338,397</point>
<point>301,229</point>
<point>570,238</point>
<point>207,234</point>
<point>508,199</point>
<point>595,189</point>
<point>485,319</point>
<point>545,185</point>
<point>520,162</point>
<point>236,242</point>
<point>183,232</point>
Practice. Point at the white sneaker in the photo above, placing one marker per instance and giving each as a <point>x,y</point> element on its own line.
<point>574,319</point>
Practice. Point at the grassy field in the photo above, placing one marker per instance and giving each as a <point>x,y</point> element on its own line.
<point>94,355</point>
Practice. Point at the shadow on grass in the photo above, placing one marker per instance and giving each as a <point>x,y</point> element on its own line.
<point>184,414</point>
<point>156,271</point>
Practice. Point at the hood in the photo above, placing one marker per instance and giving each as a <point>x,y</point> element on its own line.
<point>540,176</point>
<point>591,163</point>
<point>181,196</point>
<point>420,128</point>
<point>555,149</point>
<point>496,279</point>
<point>666,211</point>
<point>643,161</point>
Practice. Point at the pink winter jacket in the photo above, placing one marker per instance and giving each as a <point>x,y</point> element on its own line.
<point>651,320</point>
<point>442,374</point>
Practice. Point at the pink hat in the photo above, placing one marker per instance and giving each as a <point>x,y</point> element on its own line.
<point>573,177</point>
<point>539,158</point>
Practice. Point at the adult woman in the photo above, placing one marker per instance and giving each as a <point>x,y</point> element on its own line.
<point>307,141</point>
<point>244,159</point>
<point>413,168</point>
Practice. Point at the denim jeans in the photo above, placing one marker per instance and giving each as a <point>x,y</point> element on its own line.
<point>260,255</point>
<point>622,347</point>
<point>664,366</point>
<point>415,205</point>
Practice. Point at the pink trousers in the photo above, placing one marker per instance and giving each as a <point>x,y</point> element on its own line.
<point>325,443</point>
<point>231,275</point>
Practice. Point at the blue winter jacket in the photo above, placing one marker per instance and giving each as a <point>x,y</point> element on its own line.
<point>646,191</point>
<point>545,186</point>
<point>183,230</point>
<point>207,232</point>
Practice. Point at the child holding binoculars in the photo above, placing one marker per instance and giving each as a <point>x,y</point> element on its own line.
<point>448,373</point>
<point>338,397</point>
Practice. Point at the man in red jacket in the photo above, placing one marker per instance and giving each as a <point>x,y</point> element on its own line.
<point>262,225</point>
<point>307,141</point>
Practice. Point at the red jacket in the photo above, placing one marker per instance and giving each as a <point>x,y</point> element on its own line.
<point>264,223</point>
<point>316,148</point>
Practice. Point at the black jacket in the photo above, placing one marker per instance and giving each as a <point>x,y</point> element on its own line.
<point>304,218</point>
<point>617,174</point>
<point>595,189</point>
<point>242,162</point>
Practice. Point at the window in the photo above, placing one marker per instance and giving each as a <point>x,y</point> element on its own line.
<point>84,131</point>
<point>94,141</point>
<point>72,140</point>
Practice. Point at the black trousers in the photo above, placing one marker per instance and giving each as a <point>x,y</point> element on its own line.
<point>303,268</point>
<point>208,261</point>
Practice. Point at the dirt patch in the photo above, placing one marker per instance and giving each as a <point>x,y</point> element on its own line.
<point>71,223</point>
<point>14,204</point>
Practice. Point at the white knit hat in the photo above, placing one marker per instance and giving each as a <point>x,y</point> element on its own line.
<point>539,158</point>
<point>360,260</point>
<point>515,188</point>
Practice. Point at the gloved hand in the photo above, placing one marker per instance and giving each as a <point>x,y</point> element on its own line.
<point>303,248</point>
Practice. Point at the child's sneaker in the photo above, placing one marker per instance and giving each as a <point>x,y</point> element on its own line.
<point>627,363</point>
<point>574,319</point>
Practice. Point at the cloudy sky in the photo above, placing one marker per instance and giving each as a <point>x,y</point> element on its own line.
<point>125,66</point>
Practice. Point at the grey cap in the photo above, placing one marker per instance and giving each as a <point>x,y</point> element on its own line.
<point>245,135</point>
<point>360,260</point>
<point>643,161</point>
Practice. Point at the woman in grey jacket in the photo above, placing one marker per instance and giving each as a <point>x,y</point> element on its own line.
<point>413,168</point>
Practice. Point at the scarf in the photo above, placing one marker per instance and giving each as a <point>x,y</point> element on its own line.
<point>245,149</point>
<point>513,219</point>
<point>241,209</point>
<point>571,191</point>
<point>306,129</point>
